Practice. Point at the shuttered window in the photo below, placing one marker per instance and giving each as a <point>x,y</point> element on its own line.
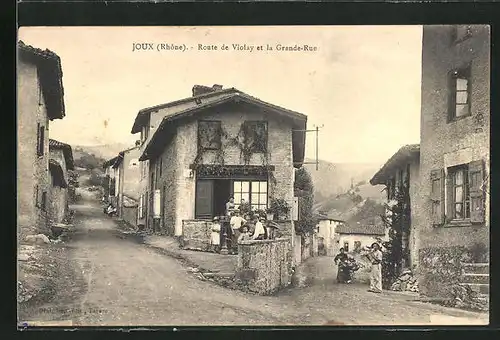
<point>437,197</point>
<point>40,140</point>
<point>477,194</point>
<point>204,199</point>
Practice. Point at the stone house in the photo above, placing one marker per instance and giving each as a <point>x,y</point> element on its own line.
<point>352,237</point>
<point>236,145</point>
<point>110,175</point>
<point>128,175</point>
<point>327,226</point>
<point>147,122</point>
<point>453,201</point>
<point>61,160</point>
<point>401,174</point>
<point>40,100</point>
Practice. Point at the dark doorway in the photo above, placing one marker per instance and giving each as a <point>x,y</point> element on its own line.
<point>222,192</point>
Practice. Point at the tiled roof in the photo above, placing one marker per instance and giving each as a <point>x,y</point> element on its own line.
<point>143,114</point>
<point>404,154</point>
<point>328,218</point>
<point>361,229</point>
<point>67,151</point>
<point>50,72</point>
<point>298,138</point>
<point>110,162</point>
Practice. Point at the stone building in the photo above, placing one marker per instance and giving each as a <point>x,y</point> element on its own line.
<point>206,151</point>
<point>453,205</point>
<point>327,226</point>
<point>401,174</point>
<point>40,100</point>
<point>127,184</point>
<point>61,160</point>
<point>352,237</point>
<point>111,190</point>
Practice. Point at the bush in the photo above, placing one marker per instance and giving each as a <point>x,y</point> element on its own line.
<point>304,184</point>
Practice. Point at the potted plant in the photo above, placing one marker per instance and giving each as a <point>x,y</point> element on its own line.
<point>279,208</point>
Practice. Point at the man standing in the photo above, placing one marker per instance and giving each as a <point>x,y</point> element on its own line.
<point>376,274</point>
<point>259,233</point>
<point>236,223</point>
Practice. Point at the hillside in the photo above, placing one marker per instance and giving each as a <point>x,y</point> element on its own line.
<point>105,151</point>
<point>336,178</point>
<point>362,204</point>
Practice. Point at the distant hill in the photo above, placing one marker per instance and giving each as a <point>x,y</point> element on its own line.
<point>363,203</point>
<point>105,151</point>
<point>336,178</point>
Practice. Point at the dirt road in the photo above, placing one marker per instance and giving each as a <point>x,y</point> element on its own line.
<point>120,282</point>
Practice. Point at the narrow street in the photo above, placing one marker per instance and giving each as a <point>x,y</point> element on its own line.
<point>124,282</point>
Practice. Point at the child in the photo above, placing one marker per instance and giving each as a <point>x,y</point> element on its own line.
<point>215,236</point>
<point>245,235</point>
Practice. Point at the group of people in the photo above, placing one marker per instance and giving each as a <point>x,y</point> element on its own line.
<point>234,228</point>
<point>347,266</point>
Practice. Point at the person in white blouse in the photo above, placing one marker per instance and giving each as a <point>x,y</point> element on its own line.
<point>259,233</point>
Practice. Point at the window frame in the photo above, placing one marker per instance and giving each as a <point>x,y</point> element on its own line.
<point>254,148</point>
<point>219,135</point>
<point>453,76</point>
<point>251,183</point>
<point>451,195</point>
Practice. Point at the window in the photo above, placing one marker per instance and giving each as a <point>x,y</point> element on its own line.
<point>460,198</point>
<point>459,94</point>
<point>464,195</point>
<point>40,145</point>
<point>40,93</point>
<point>253,192</point>
<point>346,246</point>
<point>209,135</point>
<point>255,136</point>
<point>44,201</point>
<point>37,203</point>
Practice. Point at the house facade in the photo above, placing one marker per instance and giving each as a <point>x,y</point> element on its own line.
<point>236,145</point>
<point>40,100</point>
<point>110,173</point>
<point>453,201</point>
<point>353,237</point>
<point>327,226</point>
<point>128,170</point>
<point>401,175</point>
<point>61,160</point>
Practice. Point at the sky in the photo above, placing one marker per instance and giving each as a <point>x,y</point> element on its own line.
<point>361,84</point>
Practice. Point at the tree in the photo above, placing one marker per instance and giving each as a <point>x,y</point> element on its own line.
<point>72,184</point>
<point>304,188</point>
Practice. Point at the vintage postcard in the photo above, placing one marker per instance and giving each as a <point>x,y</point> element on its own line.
<point>253,175</point>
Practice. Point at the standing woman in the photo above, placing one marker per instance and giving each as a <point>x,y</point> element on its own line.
<point>339,260</point>
<point>375,258</point>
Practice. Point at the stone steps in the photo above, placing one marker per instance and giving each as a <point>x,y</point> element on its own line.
<point>476,278</point>
<point>476,268</point>
<point>481,288</point>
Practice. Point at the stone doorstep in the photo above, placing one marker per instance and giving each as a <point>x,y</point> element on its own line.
<point>476,278</point>
<point>476,268</point>
<point>479,287</point>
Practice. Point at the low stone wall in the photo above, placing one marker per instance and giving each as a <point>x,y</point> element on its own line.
<point>130,215</point>
<point>196,234</point>
<point>265,266</point>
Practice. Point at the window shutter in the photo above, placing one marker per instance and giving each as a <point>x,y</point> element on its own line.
<point>476,177</point>
<point>204,198</point>
<point>437,197</point>
<point>452,89</point>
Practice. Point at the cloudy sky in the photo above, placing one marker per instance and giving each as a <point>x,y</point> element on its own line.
<point>362,84</point>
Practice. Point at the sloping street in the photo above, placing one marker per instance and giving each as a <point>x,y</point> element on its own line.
<point>122,282</point>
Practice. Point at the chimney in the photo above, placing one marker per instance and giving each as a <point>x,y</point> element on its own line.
<point>202,89</point>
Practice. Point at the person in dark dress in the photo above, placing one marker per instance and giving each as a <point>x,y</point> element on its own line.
<point>343,275</point>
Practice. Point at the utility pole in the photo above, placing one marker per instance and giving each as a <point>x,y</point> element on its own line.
<point>317,144</point>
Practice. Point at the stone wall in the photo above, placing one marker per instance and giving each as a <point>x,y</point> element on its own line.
<point>265,266</point>
<point>196,234</point>
<point>130,215</point>
<point>462,141</point>
<point>32,170</point>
